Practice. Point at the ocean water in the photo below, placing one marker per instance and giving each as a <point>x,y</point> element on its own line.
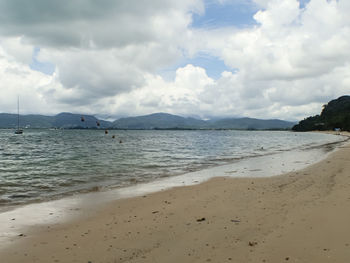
<point>45,164</point>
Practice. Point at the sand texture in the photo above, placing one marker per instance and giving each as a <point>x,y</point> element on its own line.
<point>302,216</point>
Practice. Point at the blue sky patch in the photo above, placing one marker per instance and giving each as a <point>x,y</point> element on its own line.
<point>44,67</point>
<point>239,14</point>
<point>303,3</point>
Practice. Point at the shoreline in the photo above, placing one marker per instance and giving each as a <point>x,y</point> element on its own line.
<point>54,179</point>
<point>179,212</point>
<point>66,208</point>
<point>216,169</point>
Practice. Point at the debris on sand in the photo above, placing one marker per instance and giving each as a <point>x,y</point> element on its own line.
<point>252,243</point>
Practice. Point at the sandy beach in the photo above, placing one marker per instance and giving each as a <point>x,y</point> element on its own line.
<point>301,216</point>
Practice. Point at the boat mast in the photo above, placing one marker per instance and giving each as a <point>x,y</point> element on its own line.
<point>18,113</point>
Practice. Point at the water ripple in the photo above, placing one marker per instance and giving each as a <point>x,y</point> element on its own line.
<point>43,164</point>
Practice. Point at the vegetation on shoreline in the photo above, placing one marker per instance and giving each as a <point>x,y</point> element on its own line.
<point>335,115</point>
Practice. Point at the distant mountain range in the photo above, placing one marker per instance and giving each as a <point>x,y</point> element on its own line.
<point>147,122</point>
<point>168,121</point>
<point>158,121</point>
<point>62,120</point>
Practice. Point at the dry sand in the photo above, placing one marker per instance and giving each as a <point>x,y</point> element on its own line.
<point>301,216</point>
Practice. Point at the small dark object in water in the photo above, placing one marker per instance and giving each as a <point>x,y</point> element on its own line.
<point>98,123</point>
<point>287,258</point>
<point>82,119</point>
<point>19,131</point>
<point>155,212</point>
<point>120,141</point>
<point>106,131</point>
<point>235,221</point>
<point>113,137</point>
<point>201,219</point>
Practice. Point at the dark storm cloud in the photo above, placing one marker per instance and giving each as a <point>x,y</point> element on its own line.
<point>83,23</point>
<point>99,48</point>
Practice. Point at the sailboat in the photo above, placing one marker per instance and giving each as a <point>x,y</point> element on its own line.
<point>18,131</point>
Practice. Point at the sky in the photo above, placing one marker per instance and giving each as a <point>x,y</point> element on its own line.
<point>205,58</point>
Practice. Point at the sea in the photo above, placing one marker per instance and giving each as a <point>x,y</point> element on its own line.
<point>43,164</point>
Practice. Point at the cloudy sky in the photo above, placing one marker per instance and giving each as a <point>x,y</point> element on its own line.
<point>206,58</point>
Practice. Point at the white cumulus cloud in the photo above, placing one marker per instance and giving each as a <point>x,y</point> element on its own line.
<point>107,56</point>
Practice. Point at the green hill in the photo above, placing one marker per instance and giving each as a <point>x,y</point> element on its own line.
<point>70,120</point>
<point>148,122</point>
<point>158,121</point>
<point>37,121</point>
<point>62,120</point>
<point>168,121</point>
<point>335,114</point>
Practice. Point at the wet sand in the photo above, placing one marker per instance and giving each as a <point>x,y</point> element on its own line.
<point>301,216</point>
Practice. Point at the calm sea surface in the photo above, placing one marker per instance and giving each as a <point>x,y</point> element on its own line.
<point>44,164</point>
